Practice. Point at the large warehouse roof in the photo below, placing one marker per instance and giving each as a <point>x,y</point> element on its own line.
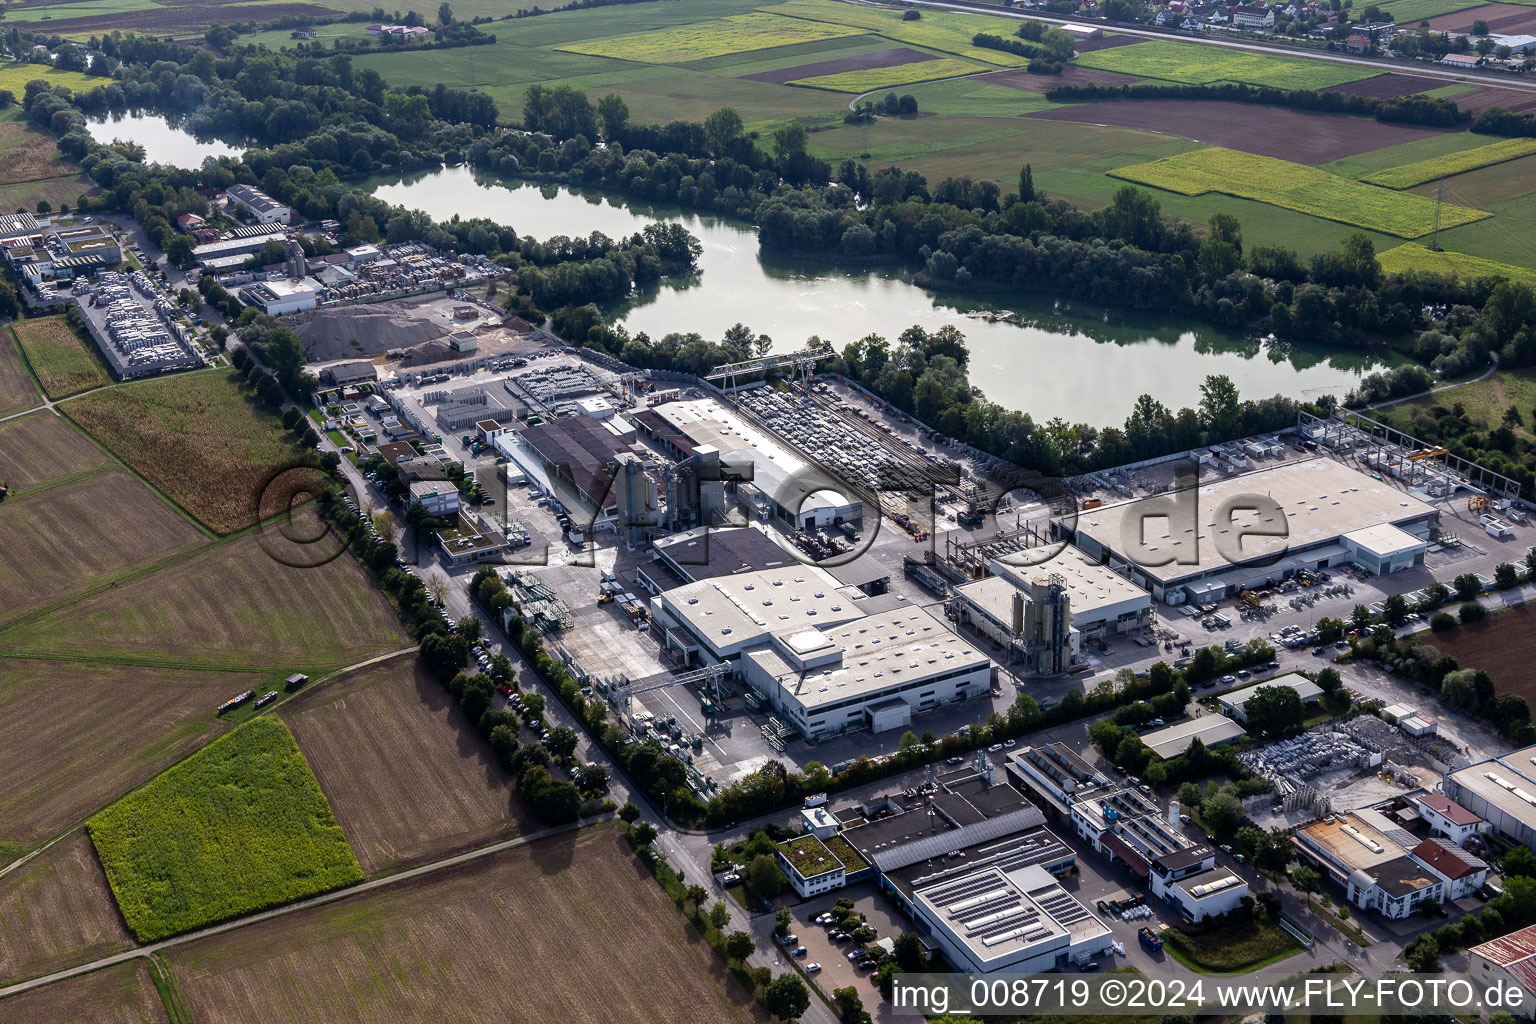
<point>873,654</point>
<point>730,613</point>
<point>579,443</point>
<point>1321,500</point>
<point>1175,739</point>
<point>707,422</point>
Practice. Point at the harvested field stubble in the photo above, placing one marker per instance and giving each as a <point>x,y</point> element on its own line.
<point>739,33</point>
<point>407,775</point>
<point>64,759</point>
<point>17,392</point>
<point>1198,65</point>
<point>858,62</point>
<point>1286,134</point>
<point>497,938</point>
<point>62,540</point>
<point>121,994</point>
<point>237,827</point>
<point>231,607</point>
<point>945,31</point>
<point>43,447</point>
<point>56,910</point>
<point>1297,187</point>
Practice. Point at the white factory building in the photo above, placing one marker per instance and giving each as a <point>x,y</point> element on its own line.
<point>1448,818</point>
<point>876,672</point>
<point>1019,920</point>
<point>1502,792</point>
<point>1173,740</point>
<point>280,295</point>
<point>1102,602</point>
<point>778,481</point>
<point>1210,541</point>
<point>263,207</point>
<point>717,619</point>
<point>1375,869</point>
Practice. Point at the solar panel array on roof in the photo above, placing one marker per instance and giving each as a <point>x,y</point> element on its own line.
<point>963,890</point>
<point>1061,906</point>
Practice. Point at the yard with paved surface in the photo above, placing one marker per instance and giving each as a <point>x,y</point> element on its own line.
<point>498,940</point>
<point>407,775</point>
<point>239,826</point>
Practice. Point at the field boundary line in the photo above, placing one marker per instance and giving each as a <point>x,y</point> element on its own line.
<point>130,575</point>
<point>26,364</point>
<point>287,698</point>
<point>308,903</point>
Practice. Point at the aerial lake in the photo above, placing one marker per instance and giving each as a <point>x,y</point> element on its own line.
<point>164,142</point>
<point>1069,360</point>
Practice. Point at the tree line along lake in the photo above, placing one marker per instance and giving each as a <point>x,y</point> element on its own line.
<point>1045,357</point>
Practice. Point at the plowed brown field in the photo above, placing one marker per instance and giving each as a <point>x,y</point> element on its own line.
<point>408,777</point>
<point>570,929</point>
<point>56,911</point>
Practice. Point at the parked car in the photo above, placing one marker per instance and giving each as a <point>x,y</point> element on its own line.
<point>789,939</point>
<point>798,951</point>
<point>812,967</point>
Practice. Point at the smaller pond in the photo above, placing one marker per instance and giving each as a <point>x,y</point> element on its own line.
<point>164,141</point>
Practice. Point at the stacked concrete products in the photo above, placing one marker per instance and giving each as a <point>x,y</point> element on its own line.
<point>548,385</point>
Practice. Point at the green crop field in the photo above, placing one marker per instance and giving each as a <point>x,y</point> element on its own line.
<point>194,436</point>
<point>16,76</point>
<point>737,34</point>
<point>1296,187</point>
<point>976,97</point>
<point>89,9</point>
<point>1200,65</point>
<point>937,30</point>
<point>1411,12</point>
<point>1409,175</point>
<point>61,360</point>
<point>239,826</point>
<point>885,78</point>
<point>1412,256</point>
